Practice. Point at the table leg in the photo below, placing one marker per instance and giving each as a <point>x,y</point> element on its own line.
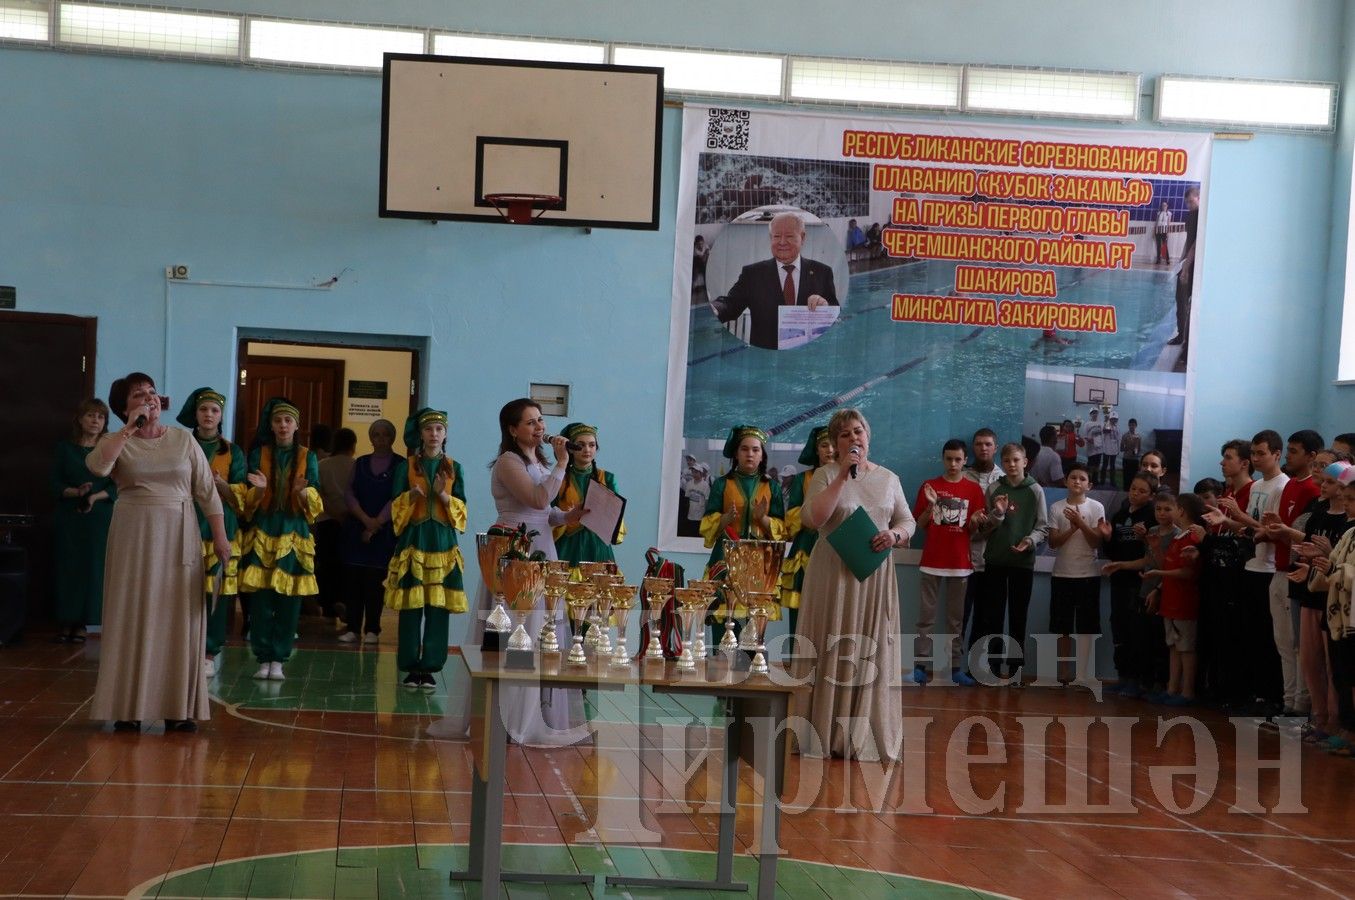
<point>486,830</point>
<point>768,761</point>
<point>729,794</point>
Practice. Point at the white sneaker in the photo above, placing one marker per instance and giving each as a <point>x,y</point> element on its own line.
<point>369,638</point>
<point>348,637</point>
<point>209,667</point>
<point>262,674</point>
<point>275,672</point>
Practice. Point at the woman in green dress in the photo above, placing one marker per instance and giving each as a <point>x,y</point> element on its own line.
<point>573,542</point>
<point>744,504</point>
<point>424,582</point>
<point>201,413</point>
<point>84,509</point>
<point>818,451</point>
<point>278,568</point>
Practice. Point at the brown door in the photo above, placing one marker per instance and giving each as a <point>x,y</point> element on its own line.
<point>315,387</point>
<point>46,369</point>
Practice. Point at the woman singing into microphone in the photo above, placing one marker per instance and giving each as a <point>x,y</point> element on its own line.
<point>852,626</point>
<point>523,486</point>
<point>155,624</point>
<point>744,505</point>
<point>573,542</point>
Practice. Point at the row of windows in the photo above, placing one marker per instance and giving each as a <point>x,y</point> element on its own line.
<point>691,73</point>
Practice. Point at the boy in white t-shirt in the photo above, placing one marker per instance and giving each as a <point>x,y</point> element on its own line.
<point>1260,581</point>
<point>1075,588</point>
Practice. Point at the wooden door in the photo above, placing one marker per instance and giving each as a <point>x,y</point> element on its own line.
<point>314,386</point>
<point>46,370</point>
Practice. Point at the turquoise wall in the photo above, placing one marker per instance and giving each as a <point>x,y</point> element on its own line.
<point>112,168</point>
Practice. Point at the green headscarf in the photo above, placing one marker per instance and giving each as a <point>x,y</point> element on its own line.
<point>188,416</point>
<point>809,456</point>
<point>738,433</point>
<point>264,433</point>
<point>414,426</point>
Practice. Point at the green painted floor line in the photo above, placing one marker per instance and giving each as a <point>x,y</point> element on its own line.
<point>410,871</point>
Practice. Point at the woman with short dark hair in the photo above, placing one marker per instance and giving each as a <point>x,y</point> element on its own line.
<point>155,623</point>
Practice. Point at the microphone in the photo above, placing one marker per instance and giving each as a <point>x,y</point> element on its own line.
<point>140,421</point>
<point>856,454</point>
<point>571,446</point>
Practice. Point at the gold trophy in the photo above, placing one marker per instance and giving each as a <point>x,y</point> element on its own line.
<point>657,592</point>
<point>708,589</point>
<point>522,581</point>
<point>579,595</point>
<point>489,549</point>
<point>591,570</point>
<point>623,599</point>
<point>555,590</point>
<point>753,567</point>
<point>602,614</point>
<point>691,609</point>
<point>759,612</point>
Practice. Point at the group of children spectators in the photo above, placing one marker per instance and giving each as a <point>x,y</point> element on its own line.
<point>1235,595</point>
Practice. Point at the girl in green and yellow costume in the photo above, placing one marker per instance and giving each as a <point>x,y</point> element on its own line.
<point>424,581</point>
<point>84,511</point>
<point>201,414</point>
<point>818,450</point>
<point>278,567</point>
<point>573,542</point>
<point>744,504</point>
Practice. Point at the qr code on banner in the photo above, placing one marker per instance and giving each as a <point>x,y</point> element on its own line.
<point>728,129</point>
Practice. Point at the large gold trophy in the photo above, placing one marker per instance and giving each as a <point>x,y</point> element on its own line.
<point>691,610</point>
<point>623,599</point>
<point>657,592</point>
<point>753,572</point>
<point>522,581</point>
<point>580,596</point>
<point>489,549</point>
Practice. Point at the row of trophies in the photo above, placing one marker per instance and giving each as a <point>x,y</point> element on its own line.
<point>602,597</point>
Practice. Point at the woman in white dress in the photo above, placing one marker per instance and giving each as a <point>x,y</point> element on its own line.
<point>523,486</point>
<point>155,623</point>
<point>851,627</point>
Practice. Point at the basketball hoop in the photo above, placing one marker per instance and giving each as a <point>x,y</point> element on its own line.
<point>517,208</point>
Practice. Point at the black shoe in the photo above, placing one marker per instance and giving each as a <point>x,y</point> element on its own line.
<point>428,682</point>
<point>1177,341</point>
<point>412,680</point>
<point>186,726</point>
<point>123,725</point>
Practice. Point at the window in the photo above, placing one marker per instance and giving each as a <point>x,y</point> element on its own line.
<point>1087,95</point>
<point>24,20</point>
<point>349,46</point>
<point>708,72</point>
<point>517,48</point>
<point>1295,106</point>
<point>893,84</point>
<point>149,30</point>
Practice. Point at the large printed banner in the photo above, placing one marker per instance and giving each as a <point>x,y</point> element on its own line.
<point>947,277</point>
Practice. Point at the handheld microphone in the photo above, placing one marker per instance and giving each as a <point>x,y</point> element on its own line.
<point>140,421</point>
<point>856,454</point>
<point>571,446</point>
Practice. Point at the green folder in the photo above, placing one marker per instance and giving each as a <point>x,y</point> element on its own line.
<point>852,539</point>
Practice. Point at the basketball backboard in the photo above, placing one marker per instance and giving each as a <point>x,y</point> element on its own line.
<point>454,129</point>
<point>1093,389</point>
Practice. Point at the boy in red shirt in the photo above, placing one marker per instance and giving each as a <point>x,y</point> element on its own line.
<point>949,508</point>
<point>1178,600</point>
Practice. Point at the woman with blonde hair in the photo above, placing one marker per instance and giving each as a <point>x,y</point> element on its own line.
<point>851,626</point>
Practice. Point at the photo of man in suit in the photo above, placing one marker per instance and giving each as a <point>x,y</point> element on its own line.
<point>786,279</point>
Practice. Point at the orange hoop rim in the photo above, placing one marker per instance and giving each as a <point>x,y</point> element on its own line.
<point>519,206</point>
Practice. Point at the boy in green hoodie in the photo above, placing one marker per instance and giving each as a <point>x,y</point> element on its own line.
<point>1017,523</point>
